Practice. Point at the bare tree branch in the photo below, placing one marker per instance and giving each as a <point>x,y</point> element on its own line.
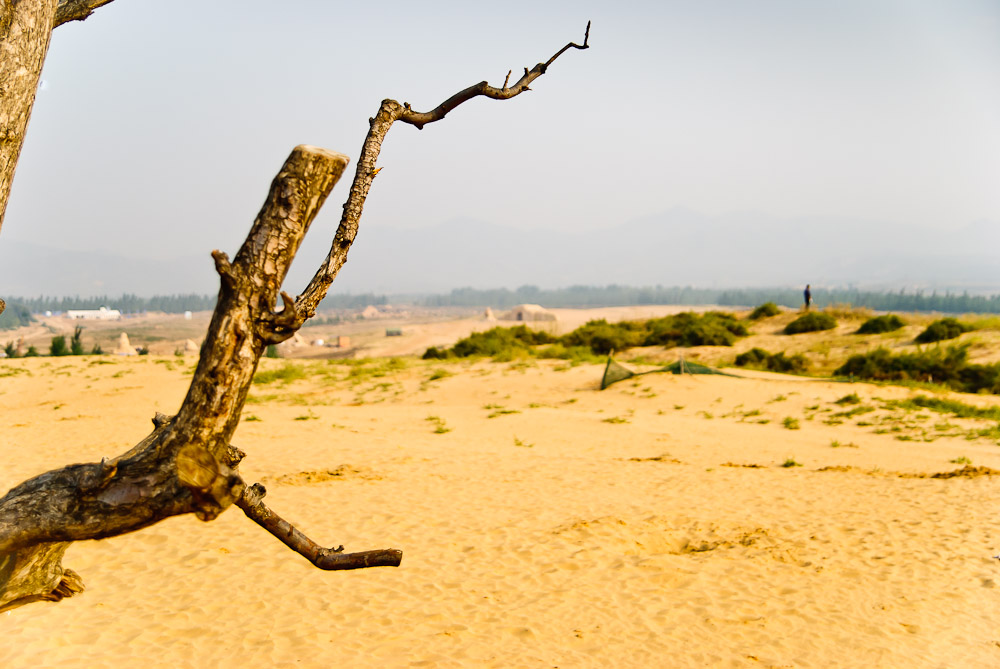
<point>76,10</point>
<point>420,119</point>
<point>186,465</point>
<point>330,559</point>
<point>389,112</point>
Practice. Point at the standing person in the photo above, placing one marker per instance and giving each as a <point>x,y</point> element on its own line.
<point>807,294</point>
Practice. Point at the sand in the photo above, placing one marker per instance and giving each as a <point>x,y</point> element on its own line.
<point>544,523</point>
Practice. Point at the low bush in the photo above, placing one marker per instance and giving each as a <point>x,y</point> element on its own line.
<point>500,341</point>
<point>602,337</point>
<point>765,310</point>
<point>712,328</point>
<point>599,338</point>
<point>881,324</point>
<point>949,367</point>
<point>58,346</point>
<point>773,362</point>
<point>940,330</point>
<point>814,321</point>
<point>435,353</point>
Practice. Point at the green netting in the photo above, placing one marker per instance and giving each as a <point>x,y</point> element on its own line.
<point>615,372</point>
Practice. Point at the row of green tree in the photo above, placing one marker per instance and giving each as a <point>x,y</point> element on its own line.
<point>616,295</point>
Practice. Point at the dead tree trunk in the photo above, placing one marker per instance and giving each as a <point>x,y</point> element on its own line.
<point>25,30</point>
<point>187,464</point>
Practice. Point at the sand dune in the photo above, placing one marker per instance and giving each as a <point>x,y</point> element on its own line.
<point>543,522</point>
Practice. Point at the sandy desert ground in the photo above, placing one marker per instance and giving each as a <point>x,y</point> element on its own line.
<point>544,523</point>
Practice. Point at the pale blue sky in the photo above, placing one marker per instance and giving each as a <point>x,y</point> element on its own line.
<point>161,124</point>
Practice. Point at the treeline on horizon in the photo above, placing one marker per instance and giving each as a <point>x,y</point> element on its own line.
<point>19,309</point>
<point>617,296</point>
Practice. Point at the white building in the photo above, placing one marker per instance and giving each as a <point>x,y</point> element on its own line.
<point>102,314</point>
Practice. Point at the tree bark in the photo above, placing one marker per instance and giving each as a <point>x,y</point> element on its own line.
<point>25,31</point>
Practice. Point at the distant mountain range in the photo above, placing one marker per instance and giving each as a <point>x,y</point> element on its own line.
<point>677,247</point>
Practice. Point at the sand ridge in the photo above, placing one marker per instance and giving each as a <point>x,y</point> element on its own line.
<point>543,522</point>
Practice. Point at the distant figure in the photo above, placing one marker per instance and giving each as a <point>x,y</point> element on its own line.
<point>807,294</point>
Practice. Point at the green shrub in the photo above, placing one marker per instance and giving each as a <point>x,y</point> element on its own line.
<point>814,321</point>
<point>10,349</point>
<point>58,346</point>
<point>765,310</point>
<point>271,351</point>
<point>602,337</point>
<point>434,353</point>
<point>939,330</point>
<point>880,324</point>
<point>97,350</point>
<point>501,342</point>
<point>712,328</point>
<point>773,362</point>
<point>76,343</point>
<point>32,352</point>
<point>949,367</point>
<point>755,357</point>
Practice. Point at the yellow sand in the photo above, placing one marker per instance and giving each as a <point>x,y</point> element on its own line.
<point>589,529</point>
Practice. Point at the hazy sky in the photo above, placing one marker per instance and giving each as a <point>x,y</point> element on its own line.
<point>160,124</point>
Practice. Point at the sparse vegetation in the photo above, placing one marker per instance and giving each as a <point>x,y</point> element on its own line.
<point>439,424</point>
<point>942,329</point>
<point>285,374</point>
<point>790,423</point>
<point>790,462</point>
<point>814,321</point>
<point>765,310</point>
<point>940,405</point>
<point>881,324</point>
<point>439,374</point>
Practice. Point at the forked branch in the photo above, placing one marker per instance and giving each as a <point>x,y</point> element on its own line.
<point>389,112</point>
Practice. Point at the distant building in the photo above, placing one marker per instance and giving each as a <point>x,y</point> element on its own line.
<point>102,314</point>
<point>394,332</point>
<point>370,312</point>
<point>529,312</point>
<point>343,341</point>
